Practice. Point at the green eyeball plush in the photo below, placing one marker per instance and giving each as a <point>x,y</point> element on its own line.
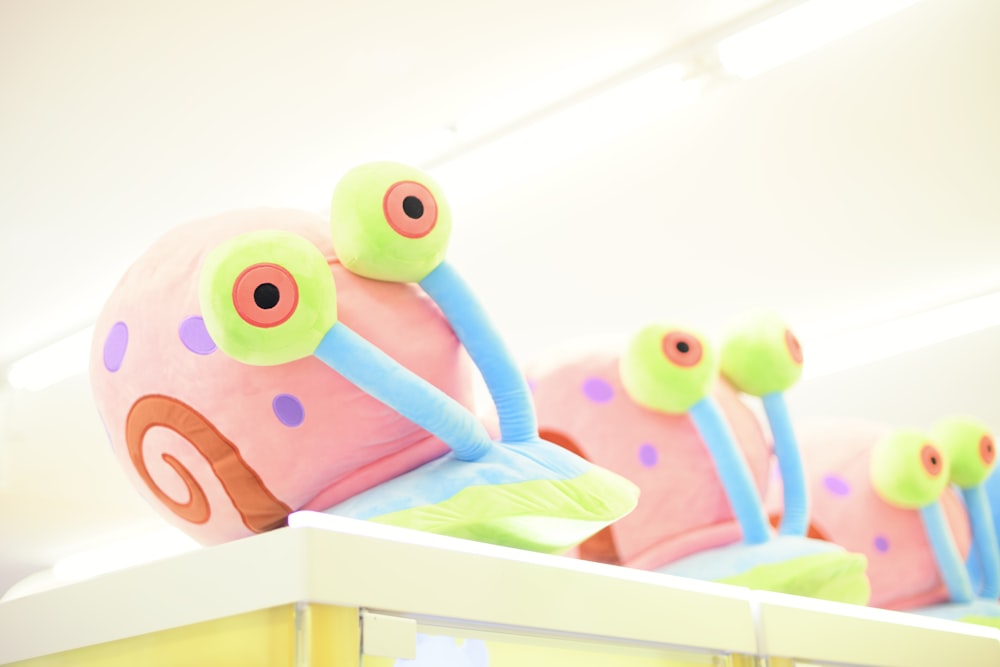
<point>969,445</point>
<point>762,357</point>
<point>389,222</point>
<point>907,471</point>
<point>267,297</point>
<point>667,368</point>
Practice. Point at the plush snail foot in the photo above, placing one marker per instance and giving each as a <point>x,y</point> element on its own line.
<point>839,577</point>
<point>978,612</point>
<point>534,496</point>
<point>784,564</point>
<point>982,620</point>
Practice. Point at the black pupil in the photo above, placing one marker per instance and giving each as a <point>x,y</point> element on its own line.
<point>266,296</point>
<point>683,347</point>
<point>934,461</point>
<point>413,207</point>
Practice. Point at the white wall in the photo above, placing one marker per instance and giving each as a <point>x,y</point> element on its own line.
<point>857,176</point>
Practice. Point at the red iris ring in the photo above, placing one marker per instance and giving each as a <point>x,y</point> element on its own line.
<point>931,459</point>
<point>987,450</point>
<point>245,295</point>
<point>681,349</point>
<point>410,209</point>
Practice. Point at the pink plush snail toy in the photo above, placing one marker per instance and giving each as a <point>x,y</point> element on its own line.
<point>914,503</point>
<point>658,413</point>
<point>267,361</point>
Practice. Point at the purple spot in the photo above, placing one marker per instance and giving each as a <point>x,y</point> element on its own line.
<point>648,456</point>
<point>532,385</point>
<point>598,390</point>
<point>838,486</point>
<point>288,410</point>
<point>195,336</point>
<point>114,346</point>
<point>881,543</point>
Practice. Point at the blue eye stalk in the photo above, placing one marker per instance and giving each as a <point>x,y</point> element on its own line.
<point>391,222</point>
<point>795,520</point>
<point>946,554</point>
<point>506,384</point>
<point>984,540</point>
<point>964,602</point>
<point>972,449</point>
<point>732,468</point>
<point>375,373</point>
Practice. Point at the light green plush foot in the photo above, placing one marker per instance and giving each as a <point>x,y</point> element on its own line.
<point>839,577</point>
<point>549,516</point>
<point>982,620</point>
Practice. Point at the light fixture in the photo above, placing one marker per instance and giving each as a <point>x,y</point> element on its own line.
<point>798,31</point>
<point>866,345</point>
<point>54,363</point>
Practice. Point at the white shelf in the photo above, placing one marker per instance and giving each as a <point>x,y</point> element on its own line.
<point>335,561</point>
<point>827,632</point>
<point>359,564</point>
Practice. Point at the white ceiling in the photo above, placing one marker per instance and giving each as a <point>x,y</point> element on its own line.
<point>853,180</point>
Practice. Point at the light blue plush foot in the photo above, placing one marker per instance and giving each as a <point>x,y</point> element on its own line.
<point>979,611</point>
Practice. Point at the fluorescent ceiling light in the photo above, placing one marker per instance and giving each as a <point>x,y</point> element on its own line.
<point>59,361</point>
<point>144,548</point>
<point>798,31</point>
<point>859,347</point>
